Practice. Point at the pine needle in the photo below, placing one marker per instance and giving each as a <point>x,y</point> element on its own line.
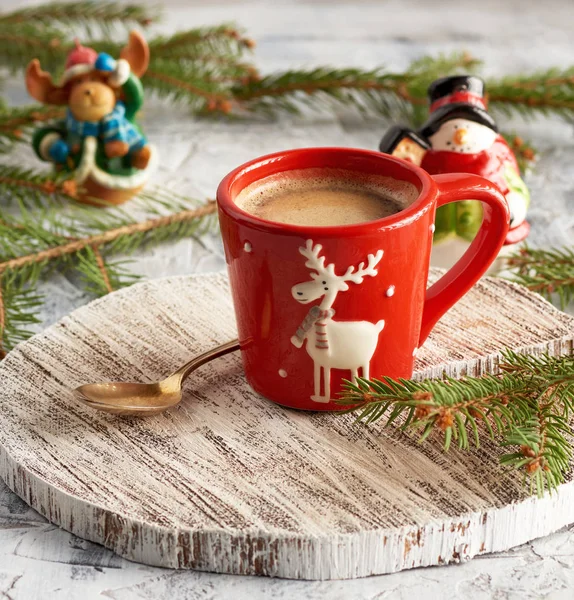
<point>223,39</point>
<point>40,239</point>
<point>16,122</point>
<point>548,272</point>
<point>18,312</point>
<point>376,91</point>
<point>204,67</point>
<point>544,93</point>
<point>87,14</point>
<point>21,42</point>
<point>526,406</point>
<point>32,187</point>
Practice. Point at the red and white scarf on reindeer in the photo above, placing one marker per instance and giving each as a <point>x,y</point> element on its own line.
<point>316,317</point>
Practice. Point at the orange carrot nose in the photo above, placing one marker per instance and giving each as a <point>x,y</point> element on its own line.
<point>460,136</point>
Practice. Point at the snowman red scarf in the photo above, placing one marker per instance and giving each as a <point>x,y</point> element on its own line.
<point>490,163</point>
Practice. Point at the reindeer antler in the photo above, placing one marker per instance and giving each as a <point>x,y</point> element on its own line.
<point>40,85</point>
<point>311,253</point>
<point>136,52</point>
<point>361,272</point>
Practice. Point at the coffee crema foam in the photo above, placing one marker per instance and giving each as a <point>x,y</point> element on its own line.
<point>323,197</point>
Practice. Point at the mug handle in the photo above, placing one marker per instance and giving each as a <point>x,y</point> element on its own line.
<point>480,254</point>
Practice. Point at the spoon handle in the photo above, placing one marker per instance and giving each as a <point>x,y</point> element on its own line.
<point>196,362</point>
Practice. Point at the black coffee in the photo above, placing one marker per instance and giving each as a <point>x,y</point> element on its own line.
<point>324,197</point>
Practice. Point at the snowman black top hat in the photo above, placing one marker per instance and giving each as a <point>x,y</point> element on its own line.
<point>459,110</point>
<point>457,88</point>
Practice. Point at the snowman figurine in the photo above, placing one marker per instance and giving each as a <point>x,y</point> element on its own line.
<point>461,137</point>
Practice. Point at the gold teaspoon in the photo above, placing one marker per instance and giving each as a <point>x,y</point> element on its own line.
<point>145,399</point>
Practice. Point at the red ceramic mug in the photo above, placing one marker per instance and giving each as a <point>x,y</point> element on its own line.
<point>316,305</point>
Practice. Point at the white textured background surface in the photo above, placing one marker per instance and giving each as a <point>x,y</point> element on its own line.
<point>39,561</point>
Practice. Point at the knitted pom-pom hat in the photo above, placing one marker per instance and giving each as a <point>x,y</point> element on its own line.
<point>80,61</point>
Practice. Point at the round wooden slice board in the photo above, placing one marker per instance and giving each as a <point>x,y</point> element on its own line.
<point>229,482</point>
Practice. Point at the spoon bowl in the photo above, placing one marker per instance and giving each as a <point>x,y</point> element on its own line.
<point>128,398</point>
<point>145,399</point>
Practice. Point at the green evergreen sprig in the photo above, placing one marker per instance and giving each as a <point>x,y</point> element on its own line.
<point>32,187</point>
<point>198,67</point>
<point>526,407</point>
<point>36,241</point>
<point>192,84</point>
<point>323,88</point>
<point>205,68</point>
<point>378,90</point>
<point>89,14</point>
<point>200,43</point>
<point>549,272</point>
<point>525,153</point>
<point>20,43</point>
<point>18,312</point>
<point>16,122</point>
<point>545,93</point>
<point>46,31</point>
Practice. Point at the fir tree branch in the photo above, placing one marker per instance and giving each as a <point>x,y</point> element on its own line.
<point>224,64</point>
<point>207,41</point>
<point>102,268</point>
<point>14,119</point>
<point>36,242</point>
<point>545,93</point>
<point>376,90</point>
<point>20,43</point>
<point>548,272</point>
<point>100,239</point>
<point>99,275</point>
<point>543,434</point>
<point>18,310</point>
<point>31,187</point>
<point>548,92</point>
<point>438,403</point>
<point>85,13</point>
<point>524,151</point>
<point>177,87</point>
<point>526,405</point>
<point>290,90</point>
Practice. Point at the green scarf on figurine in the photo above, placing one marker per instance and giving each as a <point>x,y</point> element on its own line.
<point>99,141</point>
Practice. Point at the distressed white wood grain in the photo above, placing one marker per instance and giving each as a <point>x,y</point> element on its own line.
<point>229,482</point>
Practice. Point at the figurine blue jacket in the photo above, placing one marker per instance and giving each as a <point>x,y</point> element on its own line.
<point>118,125</point>
<point>113,127</point>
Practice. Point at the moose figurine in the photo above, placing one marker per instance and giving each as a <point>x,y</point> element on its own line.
<point>99,140</point>
<point>334,344</point>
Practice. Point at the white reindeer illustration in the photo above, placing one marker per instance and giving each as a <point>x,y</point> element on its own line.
<point>333,344</point>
